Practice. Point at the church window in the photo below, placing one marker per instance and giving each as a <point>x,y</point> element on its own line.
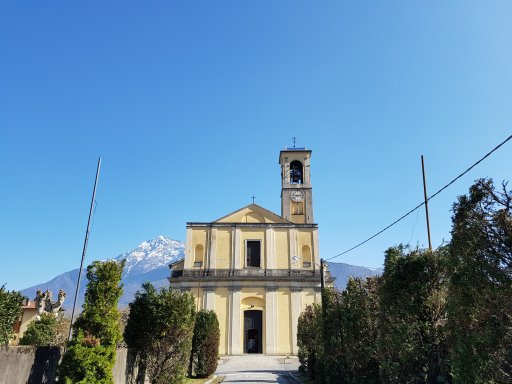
<point>296,172</point>
<point>198,256</point>
<point>253,253</point>
<point>297,208</point>
<point>306,256</point>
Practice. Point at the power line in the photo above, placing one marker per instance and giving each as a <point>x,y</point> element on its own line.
<point>423,203</point>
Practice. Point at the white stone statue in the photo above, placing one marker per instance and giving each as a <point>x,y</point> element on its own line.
<point>44,303</point>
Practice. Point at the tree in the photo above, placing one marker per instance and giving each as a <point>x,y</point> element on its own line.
<point>480,288</point>
<point>205,344</point>
<point>359,324</point>
<point>91,353</point>
<point>40,332</point>
<point>10,312</point>
<point>160,329</point>
<point>329,367</point>
<point>412,338</point>
<point>309,339</point>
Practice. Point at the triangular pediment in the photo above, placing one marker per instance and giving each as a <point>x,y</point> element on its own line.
<point>253,213</point>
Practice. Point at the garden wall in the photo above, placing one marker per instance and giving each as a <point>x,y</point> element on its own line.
<point>22,365</point>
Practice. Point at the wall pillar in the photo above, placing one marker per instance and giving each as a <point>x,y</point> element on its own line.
<point>238,261</point>
<point>294,264</point>
<point>189,259</point>
<point>235,345</point>
<point>269,243</point>
<point>270,321</point>
<point>213,248</point>
<point>209,298</point>
<point>295,313</point>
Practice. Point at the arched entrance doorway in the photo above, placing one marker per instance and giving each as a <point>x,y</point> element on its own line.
<point>253,331</point>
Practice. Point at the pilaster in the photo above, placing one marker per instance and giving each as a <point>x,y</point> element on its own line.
<point>235,345</point>
<point>188,253</point>
<point>209,298</point>
<point>213,248</point>
<point>294,264</point>
<point>238,261</point>
<point>270,247</point>
<point>270,320</point>
<point>295,313</point>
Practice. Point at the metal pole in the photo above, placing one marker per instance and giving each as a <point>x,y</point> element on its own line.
<point>426,203</point>
<point>85,248</point>
<point>322,274</point>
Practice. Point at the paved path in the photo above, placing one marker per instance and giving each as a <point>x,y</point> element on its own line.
<point>257,369</point>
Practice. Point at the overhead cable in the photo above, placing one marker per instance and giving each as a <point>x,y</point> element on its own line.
<point>423,203</point>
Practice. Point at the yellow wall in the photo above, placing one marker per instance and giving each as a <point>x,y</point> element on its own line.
<point>255,234</point>
<point>284,336</point>
<point>282,250</point>
<point>308,297</point>
<point>222,311</point>
<point>223,251</point>
<point>199,236</point>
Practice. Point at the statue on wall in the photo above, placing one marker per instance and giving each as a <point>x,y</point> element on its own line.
<point>44,303</point>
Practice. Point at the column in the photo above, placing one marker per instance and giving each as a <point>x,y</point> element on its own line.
<point>213,247</point>
<point>316,254</point>
<point>235,345</point>
<point>189,262</point>
<point>293,248</point>
<point>238,261</point>
<point>209,298</point>
<point>271,320</point>
<point>295,313</point>
<point>269,242</point>
<point>318,295</point>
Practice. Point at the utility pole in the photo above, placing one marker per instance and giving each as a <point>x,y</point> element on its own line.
<point>322,281</point>
<point>426,203</point>
<point>86,240</point>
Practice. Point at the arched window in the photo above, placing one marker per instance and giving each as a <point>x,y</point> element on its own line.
<point>306,256</point>
<point>296,172</point>
<point>198,256</point>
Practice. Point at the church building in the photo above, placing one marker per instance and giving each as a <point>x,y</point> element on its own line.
<point>256,269</point>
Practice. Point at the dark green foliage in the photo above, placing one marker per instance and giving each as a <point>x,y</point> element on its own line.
<point>412,341</point>
<point>91,354</point>
<point>480,289</point>
<point>329,369</point>
<point>40,332</point>
<point>359,315</point>
<point>205,344</point>
<point>160,329</point>
<point>10,312</point>
<point>309,339</point>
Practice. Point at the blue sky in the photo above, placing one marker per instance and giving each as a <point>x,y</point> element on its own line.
<point>189,103</point>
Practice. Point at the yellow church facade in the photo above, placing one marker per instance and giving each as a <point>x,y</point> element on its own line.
<point>256,269</point>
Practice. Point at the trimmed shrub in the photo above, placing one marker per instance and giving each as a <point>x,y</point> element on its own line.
<point>40,332</point>
<point>205,344</point>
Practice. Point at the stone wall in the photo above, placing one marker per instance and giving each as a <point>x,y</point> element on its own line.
<point>22,365</point>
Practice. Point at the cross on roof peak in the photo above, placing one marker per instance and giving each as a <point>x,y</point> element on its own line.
<point>253,197</point>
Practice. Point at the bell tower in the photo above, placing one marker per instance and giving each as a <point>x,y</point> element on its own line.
<point>296,193</point>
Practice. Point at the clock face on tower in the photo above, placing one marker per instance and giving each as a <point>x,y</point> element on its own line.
<point>297,196</point>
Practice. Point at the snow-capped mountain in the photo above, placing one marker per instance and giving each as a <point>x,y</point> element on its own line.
<point>148,262</point>
<point>152,254</point>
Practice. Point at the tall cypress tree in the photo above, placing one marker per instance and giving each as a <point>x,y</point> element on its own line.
<point>91,354</point>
